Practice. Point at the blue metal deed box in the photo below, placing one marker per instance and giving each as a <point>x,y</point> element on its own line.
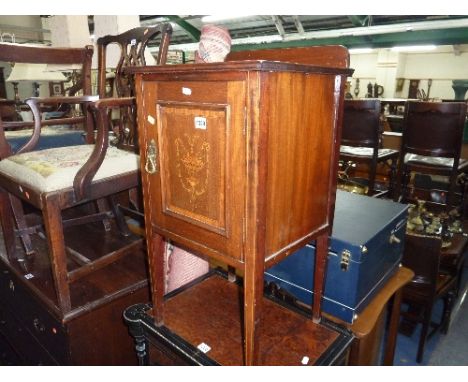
<point>365,250</point>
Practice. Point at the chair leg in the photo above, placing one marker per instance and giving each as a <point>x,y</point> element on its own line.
<point>447,313</point>
<point>426,323</point>
<point>52,216</point>
<point>406,177</point>
<point>135,200</point>
<point>8,227</point>
<point>372,174</point>
<point>451,192</point>
<point>102,207</point>
<point>392,176</point>
<point>18,214</point>
<point>461,266</point>
<point>119,218</point>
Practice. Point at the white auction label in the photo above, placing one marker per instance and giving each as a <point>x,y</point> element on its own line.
<point>204,347</point>
<point>200,123</point>
<point>151,119</point>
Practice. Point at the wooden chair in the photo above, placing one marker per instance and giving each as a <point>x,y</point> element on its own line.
<point>62,181</point>
<point>360,140</point>
<point>132,44</point>
<point>43,55</point>
<point>422,255</point>
<point>431,144</point>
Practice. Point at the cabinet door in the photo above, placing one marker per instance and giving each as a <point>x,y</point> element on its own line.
<point>196,132</point>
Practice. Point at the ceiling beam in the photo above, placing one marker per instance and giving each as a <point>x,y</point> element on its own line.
<point>279,25</point>
<point>298,24</point>
<point>193,32</point>
<point>449,36</point>
<point>359,21</point>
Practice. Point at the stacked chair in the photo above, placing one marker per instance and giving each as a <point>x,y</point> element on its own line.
<point>79,185</point>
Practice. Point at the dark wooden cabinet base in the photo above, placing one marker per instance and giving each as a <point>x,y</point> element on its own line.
<point>33,331</point>
<point>203,327</point>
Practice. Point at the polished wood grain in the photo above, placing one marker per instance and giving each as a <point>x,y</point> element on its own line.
<point>179,141</point>
<point>257,187</point>
<point>211,312</point>
<point>42,55</point>
<point>333,56</point>
<point>299,153</point>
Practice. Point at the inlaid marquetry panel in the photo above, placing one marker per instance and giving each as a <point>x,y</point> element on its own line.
<point>198,130</point>
<point>194,154</point>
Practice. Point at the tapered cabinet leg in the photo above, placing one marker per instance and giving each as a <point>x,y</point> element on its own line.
<point>253,295</point>
<point>321,252</point>
<point>156,258</point>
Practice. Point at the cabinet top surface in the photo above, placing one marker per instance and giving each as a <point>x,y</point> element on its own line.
<point>249,65</point>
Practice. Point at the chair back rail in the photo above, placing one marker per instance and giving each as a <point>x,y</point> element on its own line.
<point>421,255</point>
<point>361,123</point>
<point>132,45</point>
<point>431,129</point>
<point>118,114</point>
<point>48,55</point>
<point>18,53</point>
<point>434,128</point>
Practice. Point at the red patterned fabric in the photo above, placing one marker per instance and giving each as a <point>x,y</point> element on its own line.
<point>182,267</point>
<point>215,44</point>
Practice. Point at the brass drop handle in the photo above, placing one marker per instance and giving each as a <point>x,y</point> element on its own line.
<point>394,239</point>
<point>151,165</point>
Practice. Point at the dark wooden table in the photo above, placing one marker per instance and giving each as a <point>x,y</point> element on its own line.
<point>203,326</point>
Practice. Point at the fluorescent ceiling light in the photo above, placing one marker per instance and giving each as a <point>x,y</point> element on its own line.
<point>217,18</point>
<point>360,50</point>
<point>416,48</point>
<point>381,29</point>
<point>257,39</point>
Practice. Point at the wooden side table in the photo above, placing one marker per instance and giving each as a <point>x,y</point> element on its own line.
<point>369,326</point>
<point>210,331</point>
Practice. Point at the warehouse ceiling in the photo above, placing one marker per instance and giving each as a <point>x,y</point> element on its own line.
<point>270,31</point>
<point>253,32</point>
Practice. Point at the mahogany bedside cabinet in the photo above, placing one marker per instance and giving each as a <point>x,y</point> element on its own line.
<point>239,164</point>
